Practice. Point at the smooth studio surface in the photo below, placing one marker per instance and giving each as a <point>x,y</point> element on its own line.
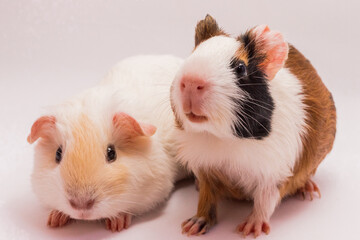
<point>51,50</point>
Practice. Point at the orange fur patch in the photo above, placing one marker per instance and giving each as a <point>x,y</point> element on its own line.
<point>241,54</point>
<point>321,121</point>
<point>84,168</point>
<point>80,164</point>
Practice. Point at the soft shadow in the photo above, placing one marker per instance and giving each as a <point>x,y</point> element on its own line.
<point>31,217</point>
<point>28,215</point>
<point>159,210</point>
<point>184,183</point>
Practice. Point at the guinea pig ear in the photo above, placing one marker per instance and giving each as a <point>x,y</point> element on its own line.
<point>126,127</point>
<point>272,45</point>
<point>44,127</point>
<point>206,29</point>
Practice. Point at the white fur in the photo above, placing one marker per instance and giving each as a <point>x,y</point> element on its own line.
<point>210,62</point>
<point>138,86</point>
<point>257,166</point>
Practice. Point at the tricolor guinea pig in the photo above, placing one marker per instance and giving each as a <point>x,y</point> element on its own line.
<point>107,153</point>
<point>254,121</point>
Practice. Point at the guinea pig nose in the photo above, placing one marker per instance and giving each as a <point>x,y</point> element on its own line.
<point>82,204</point>
<point>192,84</point>
<point>90,203</point>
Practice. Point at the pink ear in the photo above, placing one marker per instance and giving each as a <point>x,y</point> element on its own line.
<point>44,127</point>
<point>275,48</point>
<point>127,127</point>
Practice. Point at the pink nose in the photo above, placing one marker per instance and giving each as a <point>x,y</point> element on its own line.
<point>192,84</point>
<point>193,90</point>
<point>83,204</point>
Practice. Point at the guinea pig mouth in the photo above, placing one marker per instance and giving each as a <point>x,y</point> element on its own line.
<point>82,215</point>
<point>196,118</point>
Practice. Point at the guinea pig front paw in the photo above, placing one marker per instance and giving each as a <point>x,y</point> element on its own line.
<point>195,226</point>
<point>254,224</point>
<point>58,219</point>
<point>122,221</point>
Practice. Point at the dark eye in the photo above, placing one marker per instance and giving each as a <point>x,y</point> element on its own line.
<point>58,155</point>
<point>110,153</point>
<point>241,69</point>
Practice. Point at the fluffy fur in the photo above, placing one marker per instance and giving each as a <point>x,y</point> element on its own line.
<point>243,157</point>
<point>144,172</point>
<point>264,168</point>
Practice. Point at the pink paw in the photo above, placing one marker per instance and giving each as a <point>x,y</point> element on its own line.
<point>309,188</point>
<point>122,221</point>
<point>58,219</point>
<point>254,225</point>
<point>195,226</point>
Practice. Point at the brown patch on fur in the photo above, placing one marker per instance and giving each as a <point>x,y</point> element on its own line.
<point>223,185</point>
<point>206,29</point>
<point>207,200</point>
<point>321,122</point>
<point>212,185</point>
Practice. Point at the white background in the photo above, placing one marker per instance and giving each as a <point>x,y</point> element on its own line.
<point>50,50</point>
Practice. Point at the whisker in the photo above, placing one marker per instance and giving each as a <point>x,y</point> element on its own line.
<point>260,115</point>
<point>259,101</point>
<point>252,84</point>
<point>253,72</point>
<point>256,121</point>
<point>257,104</point>
<point>256,101</point>
<point>242,123</point>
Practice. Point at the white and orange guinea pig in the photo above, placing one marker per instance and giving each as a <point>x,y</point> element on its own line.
<point>107,153</point>
<point>254,121</point>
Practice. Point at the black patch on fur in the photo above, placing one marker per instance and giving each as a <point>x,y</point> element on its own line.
<point>255,111</point>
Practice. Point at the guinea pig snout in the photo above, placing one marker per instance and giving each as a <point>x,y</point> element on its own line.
<point>193,91</point>
<point>82,203</point>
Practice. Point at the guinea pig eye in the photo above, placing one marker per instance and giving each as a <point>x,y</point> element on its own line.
<point>241,69</point>
<point>58,155</point>
<point>110,153</point>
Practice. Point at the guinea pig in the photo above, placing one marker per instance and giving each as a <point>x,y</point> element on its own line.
<point>108,153</point>
<point>254,121</point>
